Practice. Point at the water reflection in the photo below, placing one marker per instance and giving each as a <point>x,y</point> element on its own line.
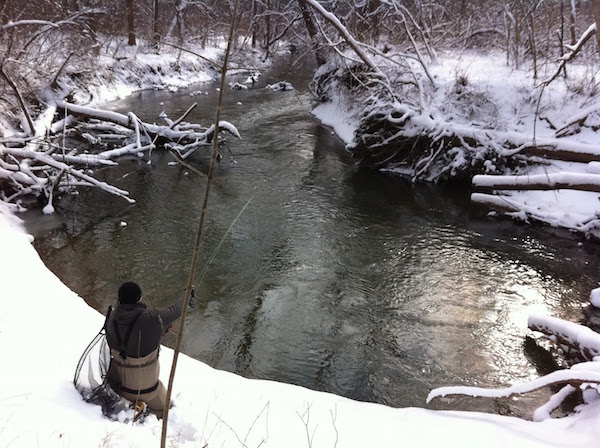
<point>347,281</point>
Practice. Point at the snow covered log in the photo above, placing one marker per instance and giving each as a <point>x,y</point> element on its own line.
<point>574,377</point>
<point>585,118</point>
<point>54,178</point>
<point>518,207</point>
<point>39,165</point>
<point>394,135</point>
<point>568,334</point>
<point>163,133</point>
<point>80,159</point>
<point>554,181</point>
<point>494,202</point>
<point>408,125</point>
<point>560,149</point>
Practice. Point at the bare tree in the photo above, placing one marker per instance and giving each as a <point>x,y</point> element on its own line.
<point>130,23</point>
<point>596,12</point>
<point>312,31</point>
<point>254,25</point>
<point>572,17</point>
<point>178,21</point>
<point>268,29</point>
<point>155,24</point>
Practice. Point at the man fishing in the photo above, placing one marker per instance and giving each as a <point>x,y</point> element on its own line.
<point>133,333</point>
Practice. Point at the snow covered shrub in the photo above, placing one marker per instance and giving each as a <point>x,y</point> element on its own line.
<point>337,77</point>
<point>584,80</point>
<point>465,104</point>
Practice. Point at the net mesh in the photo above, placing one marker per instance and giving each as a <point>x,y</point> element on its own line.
<point>92,377</point>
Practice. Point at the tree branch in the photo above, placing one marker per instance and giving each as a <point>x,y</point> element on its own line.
<point>19,99</point>
<point>574,49</point>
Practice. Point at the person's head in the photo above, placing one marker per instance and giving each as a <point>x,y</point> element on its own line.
<point>129,293</point>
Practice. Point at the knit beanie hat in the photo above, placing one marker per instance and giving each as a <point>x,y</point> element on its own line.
<point>130,293</point>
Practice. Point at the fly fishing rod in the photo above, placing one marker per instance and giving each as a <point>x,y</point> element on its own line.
<point>190,281</point>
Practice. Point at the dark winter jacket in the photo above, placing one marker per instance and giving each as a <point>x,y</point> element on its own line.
<point>149,327</point>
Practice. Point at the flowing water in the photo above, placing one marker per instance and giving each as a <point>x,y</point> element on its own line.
<point>336,279</point>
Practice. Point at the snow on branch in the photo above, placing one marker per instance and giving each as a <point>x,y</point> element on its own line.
<point>573,50</point>
<point>574,336</point>
<point>543,412</point>
<point>389,132</point>
<point>570,376</point>
<point>354,44</point>
<point>28,23</point>
<point>498,203</point>
<point>170,133</point>
<point>39,166</point>
<point>46,160</point>
<point>45,23</point>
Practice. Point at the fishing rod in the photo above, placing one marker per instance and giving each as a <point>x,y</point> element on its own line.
<point>190,281</point>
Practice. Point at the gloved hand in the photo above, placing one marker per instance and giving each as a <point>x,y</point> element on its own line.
<point>191,302</point>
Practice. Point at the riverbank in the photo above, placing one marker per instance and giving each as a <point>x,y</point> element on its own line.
<point>479,96</point>
<point>120,70</point>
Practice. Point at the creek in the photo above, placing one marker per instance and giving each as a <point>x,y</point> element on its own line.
<point>337,279</point>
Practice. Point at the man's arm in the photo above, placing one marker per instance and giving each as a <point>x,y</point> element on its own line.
<point>170,314</point>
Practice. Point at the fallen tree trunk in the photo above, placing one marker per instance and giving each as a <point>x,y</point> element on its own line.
<point>155,131</point>
<point>577,337</point>
<point>554,181</point>
<point>36,165</point>
<point>394,136</point>
<point>580,376</point>
<point>498,203</point>
<point>47,160</point>
<point>556,149</point>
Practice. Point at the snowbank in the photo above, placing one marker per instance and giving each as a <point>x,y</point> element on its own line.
<point>44,327</point>
<point>133,70</point>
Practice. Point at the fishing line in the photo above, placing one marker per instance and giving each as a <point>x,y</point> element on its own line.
<point>200,277</point>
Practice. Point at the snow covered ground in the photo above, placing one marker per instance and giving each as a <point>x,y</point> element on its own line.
<point>44,327</point>
<point>513,94</point>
